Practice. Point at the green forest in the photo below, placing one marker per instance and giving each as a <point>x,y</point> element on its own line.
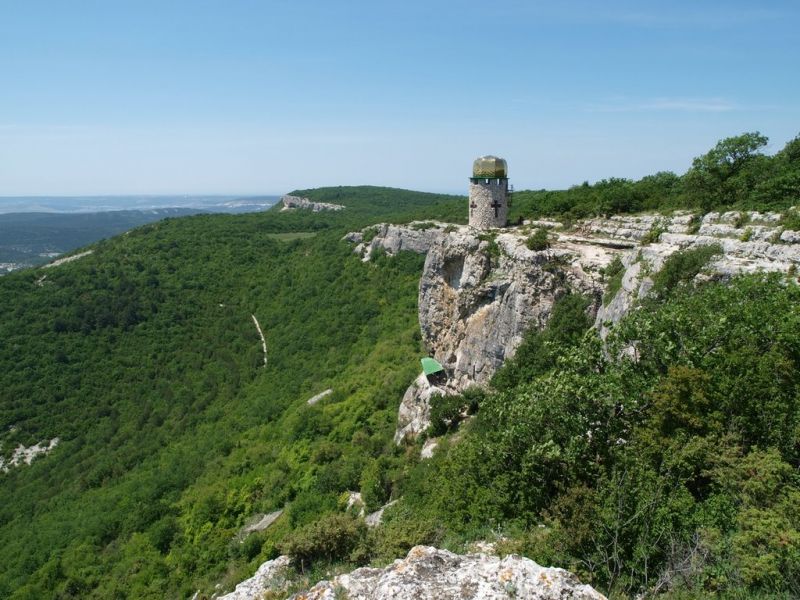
<point>676,474</point>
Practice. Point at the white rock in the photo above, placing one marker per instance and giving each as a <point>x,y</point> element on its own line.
<point>414,415</point>
<point>259,523</point>
<point>428,447</point>
<point>270,576</point>
<point>67,259</point>
<point>374,519</point>
<point>314,399</point>
<point>414,237</point>
<point>431,574</point>
<point>24,455</point>
<point>478,296</point>
<point>291,202</point>
<point>354,500</point>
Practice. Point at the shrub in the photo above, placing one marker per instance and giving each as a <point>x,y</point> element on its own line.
<point>540,349</point>
<point>376,483</point>
<point>397,536</point>
<point>331,538</point>
<point>694,224</point>
<point>791,220</point>
<point>741,220</point>
<point>682,267</point>
<point>422,226</point>
<point>654,234</point>
<point>447,411</point>
<point>538,240</point>
<point>614,273</point>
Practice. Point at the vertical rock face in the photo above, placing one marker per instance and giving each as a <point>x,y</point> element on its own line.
<point>478,297</point>
<point>481,291</point>
<point>415,408</point>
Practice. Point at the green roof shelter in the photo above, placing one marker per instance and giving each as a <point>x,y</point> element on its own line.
<point>431,366</point>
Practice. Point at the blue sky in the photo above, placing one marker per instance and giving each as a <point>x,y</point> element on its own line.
<point>245,96</point>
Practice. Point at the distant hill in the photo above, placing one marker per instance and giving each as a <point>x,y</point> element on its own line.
<point>34,229</point>
<point>28,239</point>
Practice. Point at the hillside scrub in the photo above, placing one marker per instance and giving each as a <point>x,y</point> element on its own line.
<point>144,360</point>
<point>679,471</point>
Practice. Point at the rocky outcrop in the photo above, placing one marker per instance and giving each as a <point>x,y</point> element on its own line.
<point>415,408</point>
<point>258,522</point>
<point>23,455</point>
<point>374,519</point>
<point>314,399</point>
<point>479,294</point>
<point>481,291</point>
<point>415,237</point>
<point>67,259</point>
<point>292,202</point>
<point>431,574</point>
<point>270,576</point>
<point>750,242</point>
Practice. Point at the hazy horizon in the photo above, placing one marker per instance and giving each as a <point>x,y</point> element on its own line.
<point>185,98</point>
<point>49,203</point>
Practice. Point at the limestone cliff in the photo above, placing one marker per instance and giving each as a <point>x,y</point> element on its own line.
<point>293,202</point>
<point>480,292</point>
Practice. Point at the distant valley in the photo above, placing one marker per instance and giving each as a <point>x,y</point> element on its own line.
<point>34,230</point>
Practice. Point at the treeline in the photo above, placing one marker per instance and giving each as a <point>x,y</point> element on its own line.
<point>734,175</point>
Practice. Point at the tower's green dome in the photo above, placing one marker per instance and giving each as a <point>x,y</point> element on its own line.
<point>489,166</point>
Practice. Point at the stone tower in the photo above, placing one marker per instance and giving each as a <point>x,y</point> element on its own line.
<point>488,193</point>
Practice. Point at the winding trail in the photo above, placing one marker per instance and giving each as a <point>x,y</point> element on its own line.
<point>263,340</point>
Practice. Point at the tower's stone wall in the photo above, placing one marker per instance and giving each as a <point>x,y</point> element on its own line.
<point>488,203</point>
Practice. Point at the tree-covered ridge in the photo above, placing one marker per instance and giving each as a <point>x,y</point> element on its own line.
<point>734,175</point>
<point>381,204</point>
<point>143,358</point>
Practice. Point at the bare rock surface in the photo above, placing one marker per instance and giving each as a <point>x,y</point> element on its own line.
<point>292,202</point>
<point>431,574</point>
<point>259,522</point>
<point>270,576</point>
<point>374,519</point>
<point>415,408</point>
<point>67,259</point>
<point>314,399</point>
<point>23,455</point>
<point>478,296</point>
<point>415,237</point>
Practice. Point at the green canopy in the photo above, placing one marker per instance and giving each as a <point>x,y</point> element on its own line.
<point>431,366</point>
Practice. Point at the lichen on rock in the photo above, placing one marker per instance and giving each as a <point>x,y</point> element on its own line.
<point>432,574</point>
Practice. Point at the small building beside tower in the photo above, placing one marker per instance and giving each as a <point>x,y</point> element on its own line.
<point>488,193</point>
